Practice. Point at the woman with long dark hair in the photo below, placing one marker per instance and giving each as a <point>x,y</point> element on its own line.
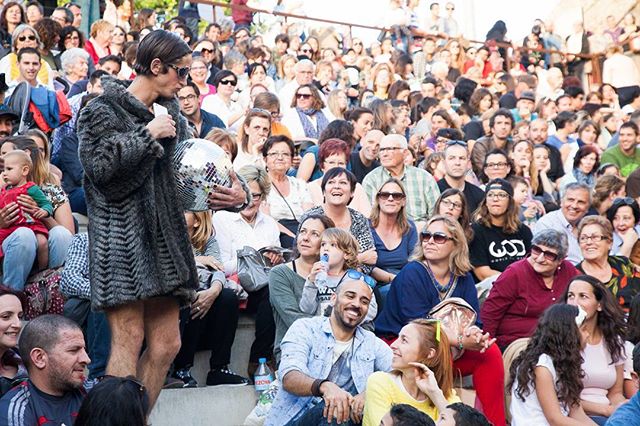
<point>604,354</point>
<point>546,378</point>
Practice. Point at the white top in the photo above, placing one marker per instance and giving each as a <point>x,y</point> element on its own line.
<point>245,159</point>
<point>233,233</point>
<point>215,105</point>
<point>529,412</point>
<point>628,363</point>
<point>291,120</point>
<point>599,373</point>
<point>298,195</point>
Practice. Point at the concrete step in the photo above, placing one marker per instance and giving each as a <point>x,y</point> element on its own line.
<point>217,405</point>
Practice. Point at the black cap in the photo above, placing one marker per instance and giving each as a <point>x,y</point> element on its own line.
<point>500,184</point>
<point>3,83</point>
<point>5,111</point>
<point>528,95</point>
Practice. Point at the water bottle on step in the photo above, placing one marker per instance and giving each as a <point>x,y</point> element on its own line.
<point>263,376</point>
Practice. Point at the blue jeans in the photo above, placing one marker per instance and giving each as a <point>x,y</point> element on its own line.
<point>20,252</point>
<point>98,343</point>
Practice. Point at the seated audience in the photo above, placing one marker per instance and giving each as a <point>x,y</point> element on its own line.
<point>441,269</point>
<point>332,384</point>
<point>499,238</point>
<point>394,235</point>
<point>522,293</point>
<point>618,274</point>
<point>53,351</point>
<point>453,204</point>
<point>422,374</point>
<point>603,355</point>
<point>545,378</point>
<point>286,281</point>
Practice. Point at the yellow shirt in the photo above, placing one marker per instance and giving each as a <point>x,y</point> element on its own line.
<point>384,389</point>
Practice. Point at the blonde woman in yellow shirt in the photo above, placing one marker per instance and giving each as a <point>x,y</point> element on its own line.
<point>422,374</point>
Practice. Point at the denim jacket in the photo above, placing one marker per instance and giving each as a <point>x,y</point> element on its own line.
<point>308,348</point>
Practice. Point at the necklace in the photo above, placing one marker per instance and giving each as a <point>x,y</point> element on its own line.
<point>442,289</point>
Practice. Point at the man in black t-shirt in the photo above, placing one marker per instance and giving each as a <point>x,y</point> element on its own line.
<point>366,159</point>
<point>456,164</point>
<point>52,349</point>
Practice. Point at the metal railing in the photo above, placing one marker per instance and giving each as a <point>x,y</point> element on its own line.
<point>595,58</point>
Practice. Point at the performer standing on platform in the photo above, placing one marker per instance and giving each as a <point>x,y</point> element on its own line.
<point>140,259</point>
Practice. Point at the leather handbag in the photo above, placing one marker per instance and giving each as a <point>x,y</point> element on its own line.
<point>455,316</point>
<point>253,271</point>
<point>43,294</point>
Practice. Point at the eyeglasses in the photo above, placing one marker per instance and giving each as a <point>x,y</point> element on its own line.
<point>499,165</point>
<point>256,196</point>
<point>438,237</point>
<point>303,95</point>
<point>451,204</point>
<point>182,72</point>
<point>594,238</point>
<point>357,275</point>
<point>306,50</point>
<point>279,155</point>
<point>395,196</point>
<point>187,98</point>
<point>536,251</point>
<point>30,38</point>
<point>500,195</point>
<point>389,148</point>
<point>228,82</point>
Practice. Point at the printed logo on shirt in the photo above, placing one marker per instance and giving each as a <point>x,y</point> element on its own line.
<point>511,248</point>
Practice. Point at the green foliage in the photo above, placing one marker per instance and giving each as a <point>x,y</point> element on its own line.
<point>167,7</point>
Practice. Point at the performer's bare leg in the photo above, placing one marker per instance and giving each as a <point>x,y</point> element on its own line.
<point>127,334</point>
<point>162,332</point>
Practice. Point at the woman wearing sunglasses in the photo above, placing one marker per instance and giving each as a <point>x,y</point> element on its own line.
<point>308,115</point>
<point>221,104</point>
<point>24,36</point>
<point>422,374</point>
<point>499,238</point>
<point>522,293</point>
<point>440,269</point>
<point>394,234</point>
<point>619,275</point>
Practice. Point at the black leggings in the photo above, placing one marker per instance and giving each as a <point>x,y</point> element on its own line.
<point>215,332</point>
<point>259,305</point>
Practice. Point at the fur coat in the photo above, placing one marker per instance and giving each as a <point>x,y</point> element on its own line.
<point>138,242</point>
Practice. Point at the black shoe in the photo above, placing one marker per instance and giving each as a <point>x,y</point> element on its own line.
<point>184,374</point>
<point>224,376</point>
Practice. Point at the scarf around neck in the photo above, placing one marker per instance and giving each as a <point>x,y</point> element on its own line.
<point>307,125</point>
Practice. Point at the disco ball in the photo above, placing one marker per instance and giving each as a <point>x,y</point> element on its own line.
<point>199,166</point>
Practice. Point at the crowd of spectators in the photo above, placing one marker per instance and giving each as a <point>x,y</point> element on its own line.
<point>424,167</point>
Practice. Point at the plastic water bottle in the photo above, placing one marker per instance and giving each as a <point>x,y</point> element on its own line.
<point>263,376</point>
<point>321,276</point>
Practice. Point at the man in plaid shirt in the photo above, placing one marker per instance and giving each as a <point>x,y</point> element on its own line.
<point>422,189</point>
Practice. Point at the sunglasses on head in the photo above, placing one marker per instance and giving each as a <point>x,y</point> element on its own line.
<point>229,82</point>
<point>30,38</point>
<point>626,201</point>
<point>438,237</point>
<point>396,196</point>
<point>303,95</point>
<point>357,275</point>
<point>182,72</point>
<point>549,255</point>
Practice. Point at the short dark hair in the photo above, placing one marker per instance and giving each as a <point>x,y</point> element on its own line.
<point>115,401</point>
<point>563,118</point>
<point>339,171</point>
<point>223,74</point>
<point>282,38</point>
<point>28,50</point>
<point>406,415</point>
<point>97,75</point>
<point>42,332</point>
<point>354,114</point>
<point>502,112</point>
<point>272,140</point>
<point>574,91</point>
<point>110,58</point>
<point>35,3</point>
<point>194,86</point>
<point>266,100</point>
<point>630,125</point>
<point>468,416</point>
<point>160,44</point>
<point>68,14</point>
<point>583,152</point>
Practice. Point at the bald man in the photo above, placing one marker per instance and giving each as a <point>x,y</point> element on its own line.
<point>330,358</point>
<point>366,159</point>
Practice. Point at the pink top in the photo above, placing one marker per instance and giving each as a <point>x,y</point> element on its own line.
<point>599,373</point>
